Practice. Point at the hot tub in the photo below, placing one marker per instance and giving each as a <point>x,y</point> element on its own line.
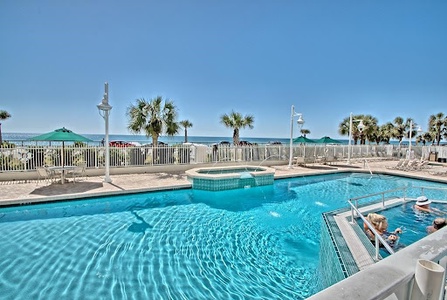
<point>231,177</point>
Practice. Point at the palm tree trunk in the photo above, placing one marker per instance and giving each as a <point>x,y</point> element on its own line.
<point>1,140</point>
<point>236,136</point>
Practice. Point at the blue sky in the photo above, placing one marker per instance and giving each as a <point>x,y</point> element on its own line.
<point>328,58</point>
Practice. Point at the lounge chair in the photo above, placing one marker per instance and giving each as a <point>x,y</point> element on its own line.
<point>399,164</point>
<point>411,165</point>
<point>423,164</point>
<point>438,173</point>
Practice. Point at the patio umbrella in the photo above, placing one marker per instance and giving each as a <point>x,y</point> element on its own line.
<point>303,139</point>
<point>327,140</point>
<point>61,135</point>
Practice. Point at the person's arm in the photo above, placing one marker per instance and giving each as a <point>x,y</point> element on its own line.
<point>430,229</point>
<point>438,212</point>
<point>422,208</point>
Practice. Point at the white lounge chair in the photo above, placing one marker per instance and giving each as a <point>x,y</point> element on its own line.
<point>399,164</point>
<point>438,173</point>
<point>422,164</point>
<point>411,165</point>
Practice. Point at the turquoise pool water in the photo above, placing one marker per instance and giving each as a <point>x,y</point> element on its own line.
<point>413,223</point>
<point>256,243</point>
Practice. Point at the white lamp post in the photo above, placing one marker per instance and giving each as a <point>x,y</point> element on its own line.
<point>300,122</point>
<point>104,111</point>
<point>410,136</point>
<point>361,126</point>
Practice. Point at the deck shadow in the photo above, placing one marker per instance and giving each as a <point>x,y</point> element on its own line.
<point>67,188</point>
<point>321,167</point>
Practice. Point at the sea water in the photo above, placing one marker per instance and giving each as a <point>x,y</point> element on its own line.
<point>23,138</point>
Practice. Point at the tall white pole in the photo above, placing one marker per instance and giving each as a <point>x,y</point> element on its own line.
<point>350,137</point>
<point>105,108</point>
<point>291,136</point>
<point>411,131</point>
<point>106,118</point>
<point>107,175</point>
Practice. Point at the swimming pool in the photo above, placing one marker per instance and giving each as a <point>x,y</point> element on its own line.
<point>412,222</point>
<point>261,242</point>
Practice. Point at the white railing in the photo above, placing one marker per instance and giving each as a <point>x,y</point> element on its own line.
<point>28,157</point>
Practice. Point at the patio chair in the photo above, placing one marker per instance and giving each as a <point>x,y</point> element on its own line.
<point>330,159</point>
<point>299,161</point>
<point>44,174</point>
<point>78,171</point>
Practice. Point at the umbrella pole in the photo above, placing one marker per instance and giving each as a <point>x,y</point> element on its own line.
<point>63,163</point>
<point>62,155</point>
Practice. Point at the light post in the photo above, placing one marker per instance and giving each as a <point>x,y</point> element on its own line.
<point>300,122</point>
<point>104,111</point>
<point>361,126</point>
<point>410,136</point>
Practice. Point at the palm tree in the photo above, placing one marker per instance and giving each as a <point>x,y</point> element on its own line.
<point>343,128</point>
<point>399,129</point>
<point>428,137</point>
<point>186,124</point>
<point>413,129</point>
<point>305,132</point>
<point>370,131</point>
<point>3,116</point>
<point>236,121</point>
<point>438,127</point>
<point>153,117</point>
<point>376,134</point>
<point>370,123</point>
<point>387,132</point>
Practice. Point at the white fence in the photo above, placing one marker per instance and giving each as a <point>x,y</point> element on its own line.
<point>26,158</point>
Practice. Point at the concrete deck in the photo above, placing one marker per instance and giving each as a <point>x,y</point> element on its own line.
<point>15,192</point>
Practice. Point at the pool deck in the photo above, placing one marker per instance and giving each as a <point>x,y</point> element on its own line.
<point>17,192</point>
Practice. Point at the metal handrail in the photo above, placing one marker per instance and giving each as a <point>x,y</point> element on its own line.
<point>379,193</point>
<point>428,187</point>
<point>353,202</point>
<point>377,237</point>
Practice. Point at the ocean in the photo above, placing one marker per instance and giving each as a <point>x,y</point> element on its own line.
<point>23,139</point>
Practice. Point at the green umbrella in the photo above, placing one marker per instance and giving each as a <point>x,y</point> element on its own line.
<point>61,135</point>
<point>327,140</point>
<point>303,139</point>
